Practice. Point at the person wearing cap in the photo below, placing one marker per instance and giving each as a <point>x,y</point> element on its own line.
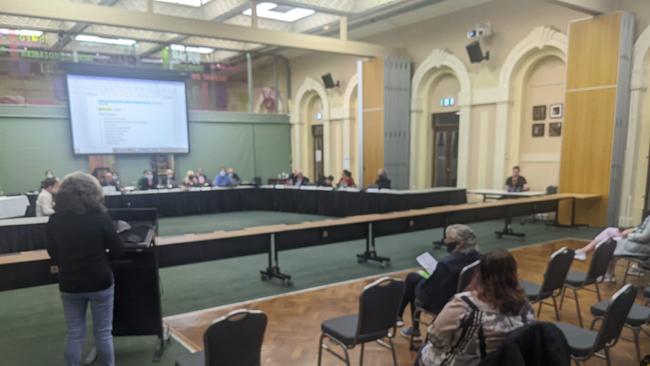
<point>434,290</point>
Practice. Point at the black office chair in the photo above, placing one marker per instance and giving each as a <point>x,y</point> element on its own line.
<point>232,340</point>
<point>586,343</point>
<point>597,269</point>
<point>378,307</point>
<point>554,277</point>
<point>464,278</point>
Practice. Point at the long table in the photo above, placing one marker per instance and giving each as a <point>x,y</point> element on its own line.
<point>13,206</point>
<point>32,268</point>
<point>25,234</point>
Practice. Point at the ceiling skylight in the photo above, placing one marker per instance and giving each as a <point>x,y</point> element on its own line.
<point>180,47</point>
<point>95,39</point>
<point>21,32</point>
<point>195,3</point>
<point>279,12</point>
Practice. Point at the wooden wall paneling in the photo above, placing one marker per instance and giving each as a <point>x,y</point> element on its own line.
<point>373,118</point>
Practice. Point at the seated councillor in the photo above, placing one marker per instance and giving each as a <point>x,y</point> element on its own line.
<point>326,181</point>
<point>190,180</point>
<point>45,199</point>
<point>298,179</point>
<point>346,180</point>
<point>233,178</point>
<point>382,181</point>
<point>169,180</point>
<point>495,293</point>
<point>202,179</point>
<point>440,286</point>
<point>81,240</point>
<point>516,182</point>
<point>109,180</point>
<point>222,179</point>
<point>147,181</point>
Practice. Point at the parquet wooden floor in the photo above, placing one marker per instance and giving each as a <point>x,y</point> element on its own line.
<point>294,319</point>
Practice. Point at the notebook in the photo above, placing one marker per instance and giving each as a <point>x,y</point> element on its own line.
<point>428,263</point>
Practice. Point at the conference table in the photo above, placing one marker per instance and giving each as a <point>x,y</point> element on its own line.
<point>32,268</point>
<point>13,206</point>
<point>18,235</point>
<point>500,193</point>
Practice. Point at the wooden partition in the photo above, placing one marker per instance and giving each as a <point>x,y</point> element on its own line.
<point>373,119</point>
<point>597,90</point>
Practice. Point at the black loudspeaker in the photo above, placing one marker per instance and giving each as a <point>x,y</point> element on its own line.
<point>475,53</point>
<point>329,81</point>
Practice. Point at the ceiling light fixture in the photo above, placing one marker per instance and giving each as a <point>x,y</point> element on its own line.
<point>180,47</point>
<point>194,3</point>
<point>95,39</point>
<point>21,32</point>
<point>273,11</point>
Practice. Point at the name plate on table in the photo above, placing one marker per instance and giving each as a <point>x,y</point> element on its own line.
<point>195,189</point>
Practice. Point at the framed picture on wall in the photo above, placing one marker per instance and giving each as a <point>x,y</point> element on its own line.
<point>555,129</point>
<point>539,113</point>
<point>538,129</point>
<point>557,110</point>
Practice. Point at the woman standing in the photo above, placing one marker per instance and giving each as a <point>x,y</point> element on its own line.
<point>496,305</point>
<point>81,240</point>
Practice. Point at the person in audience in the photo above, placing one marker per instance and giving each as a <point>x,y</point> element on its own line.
<point>202,179</point>
<point>233,178</point>
<point>110,180</point>
<point>382,181</point>
<point>435,289</point>
<point>455,336</point>
<point>80,241</point>
<point>147,181</point>
<point>298,179</point>
<point>346,180</point>
<point>45,199</point>
<point>190,179</point>
<point>516,182</point>
<point>222,179</point>
<point>614,233</point>
<point>634,242</point>
<point>169,180</point>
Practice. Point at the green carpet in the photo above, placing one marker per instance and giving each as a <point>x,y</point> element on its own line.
<point>32,322</point>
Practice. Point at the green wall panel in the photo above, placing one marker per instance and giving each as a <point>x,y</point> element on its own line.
<point>33,139</point>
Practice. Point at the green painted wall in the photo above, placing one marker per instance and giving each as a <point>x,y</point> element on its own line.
<point>33,139</point>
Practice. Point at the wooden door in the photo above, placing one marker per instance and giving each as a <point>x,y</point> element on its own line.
<point>444,170</point>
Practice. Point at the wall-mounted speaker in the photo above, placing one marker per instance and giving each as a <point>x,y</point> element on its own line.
<point>475,53</point>
<point>329,81</point>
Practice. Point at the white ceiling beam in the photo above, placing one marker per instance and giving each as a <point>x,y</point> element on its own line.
<point>96,14</point>
<point>592,7</point>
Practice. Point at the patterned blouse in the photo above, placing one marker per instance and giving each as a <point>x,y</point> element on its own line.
<point>445,332</point>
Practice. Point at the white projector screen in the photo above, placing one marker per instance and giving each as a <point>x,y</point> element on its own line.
<point>111,115</point>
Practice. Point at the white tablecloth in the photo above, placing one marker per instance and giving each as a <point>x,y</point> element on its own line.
<point>13,206</point>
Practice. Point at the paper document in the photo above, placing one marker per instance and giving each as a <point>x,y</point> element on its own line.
<point>427,262</point>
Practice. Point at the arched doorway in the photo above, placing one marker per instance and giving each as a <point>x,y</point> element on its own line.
<point>540,138</point>
<point>443,134</point>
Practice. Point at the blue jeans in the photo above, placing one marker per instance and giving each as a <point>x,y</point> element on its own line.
<point>74,310</point>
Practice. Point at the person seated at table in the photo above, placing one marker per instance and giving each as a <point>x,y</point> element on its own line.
<point>496,293</point>
<point>108,180</point>
<point>233,178</point>
<point>382,181</point>
<point>298,179</point>
<point>202,179</point>
<point>346,180</point>
<point>190,180</point>
<point>45,199</point>
<point>147,181</point>
<point>516,182</point>
<point>435,289</point>
<point>169,180</point>
<point>222,179</point>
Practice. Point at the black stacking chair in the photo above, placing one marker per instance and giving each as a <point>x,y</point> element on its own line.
<point>232,340</point>
<point>586,343</point>
<point>378,308</point>
<point>597,269</point>
<point>554,277</point>
<point>640,264</point>
<point>464,278</point>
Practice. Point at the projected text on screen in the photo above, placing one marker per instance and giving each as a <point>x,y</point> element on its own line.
<point>121,116</point>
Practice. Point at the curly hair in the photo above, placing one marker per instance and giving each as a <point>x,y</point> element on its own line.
<point>79,194</point>
<point>496,283</point>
